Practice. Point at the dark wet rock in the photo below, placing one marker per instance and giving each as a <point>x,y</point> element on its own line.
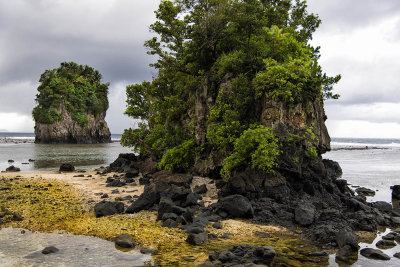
<point>236,206</point>
<point>104,196</point>
<point>12,168</point>
<point>126,198</point>
<point>170,223</point>
<point>344,238</point>
<point>66,167</point>
<point>390,236</point>
<point>31,160</point>
<point>396,255</point>
<point>10,160</point>
<point>197,239</point>
<point>49,250</point>
<point>146,200</point>
<point>333,169</point>
<point>212,237</point>
<point>304,214</point>
<point>242,255</point>
<point>116,183</point>
<point>261,234</point>
<point>122,163</point>
<point>226,236</point>
<point>342,185</point>
<point>132,173</point>
<point>384,244</point>
<point>16,217</point>
<point>105,208</point>
<point>395,220</point>
<point>347,254</point>
<point>395,191</point>
<point>194,229</point>
<point>217,225</point>
<point>79,175</point>
<point>365,192</point>
<point>382,206</point>
<point>124,241</point>
<point>200,189</point>
<point>375,254</point>
<point>396,212</point>
<point>115,191</point>
<point>148,251</point>
<point>319,254</point>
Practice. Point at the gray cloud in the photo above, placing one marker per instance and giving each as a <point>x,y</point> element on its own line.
<point>346,15</point>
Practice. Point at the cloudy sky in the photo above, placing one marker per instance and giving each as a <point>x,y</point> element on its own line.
<point>359,39</point>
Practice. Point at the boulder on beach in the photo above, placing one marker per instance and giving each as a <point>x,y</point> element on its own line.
<point>12,168</point>
<point>236,206</point>
<point>124,241</point>
<point>49,250</point>
<point>105,208</point>
<point>66,167</point>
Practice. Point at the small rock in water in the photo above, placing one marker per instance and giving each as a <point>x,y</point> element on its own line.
<point>124,241</point>
<point>11,160</point>
<point>384,244</point>
<point>31,160</point>
<point>365,192</point>
<point>375,254</point>
<point>48,250</point>
<point>396,255</point>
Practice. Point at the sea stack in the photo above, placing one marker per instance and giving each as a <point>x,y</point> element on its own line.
<point>71,106</point>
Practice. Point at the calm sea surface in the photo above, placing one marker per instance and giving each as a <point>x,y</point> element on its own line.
<point>20,148</point>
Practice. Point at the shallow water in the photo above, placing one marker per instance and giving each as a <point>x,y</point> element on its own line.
<point>49,157</point>
<point>17,249</point>
<point>365,262</point>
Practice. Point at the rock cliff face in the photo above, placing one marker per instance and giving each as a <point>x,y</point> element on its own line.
<point>68,131</point>
<point>295,119</point>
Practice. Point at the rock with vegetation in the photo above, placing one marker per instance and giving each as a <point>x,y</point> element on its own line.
<point>71,106</point>
<point>239,97</point>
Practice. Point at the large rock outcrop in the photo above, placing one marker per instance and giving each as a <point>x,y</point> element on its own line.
<point>69,131</point>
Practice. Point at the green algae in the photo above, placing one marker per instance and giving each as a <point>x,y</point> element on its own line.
<point>49,205</point>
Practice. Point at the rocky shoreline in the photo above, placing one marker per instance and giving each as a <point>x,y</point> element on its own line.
<point>205,210</point>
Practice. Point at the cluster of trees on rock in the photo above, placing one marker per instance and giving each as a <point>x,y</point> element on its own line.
<point>216,60</point>
<point>77,87</point>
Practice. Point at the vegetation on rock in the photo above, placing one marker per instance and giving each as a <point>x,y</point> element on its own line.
<point>78,88</point>
<point>217,60</point>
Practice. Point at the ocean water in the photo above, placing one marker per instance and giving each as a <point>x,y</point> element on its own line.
<point>20,148</point>
<point>371,163</point>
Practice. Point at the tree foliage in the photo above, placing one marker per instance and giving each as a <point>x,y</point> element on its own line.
<point>77,87</point>
<point>215,61</point>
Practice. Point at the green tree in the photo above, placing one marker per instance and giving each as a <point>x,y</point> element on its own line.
<point>78,88</point>
<point>215,61</point>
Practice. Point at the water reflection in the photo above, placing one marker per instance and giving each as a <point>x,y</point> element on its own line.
<point>50,156</point>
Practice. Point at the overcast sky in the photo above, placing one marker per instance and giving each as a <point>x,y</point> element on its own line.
<point>359,39</point>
